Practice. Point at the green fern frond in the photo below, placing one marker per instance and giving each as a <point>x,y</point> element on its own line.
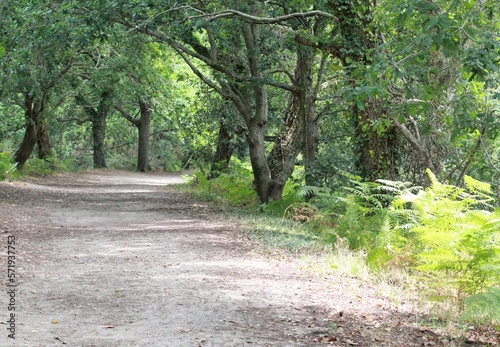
<point>483,308</point>
<point>313,191</point>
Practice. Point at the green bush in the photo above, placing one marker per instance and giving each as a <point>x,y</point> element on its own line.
<point>49,166</point>
<point>7,168</point>
<point>233,189</point>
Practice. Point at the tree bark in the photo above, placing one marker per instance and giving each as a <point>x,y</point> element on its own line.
<point>33,109</point>
<point>99,119</point>
<point>307,108</point>
<point>43,138</point>
<point>287,146</point>
<point>261,171</point>
<point>300,132</point>
<point>376,151</point>
<point>257,123</point>
<point>223,152</point>
<point>143,127</point>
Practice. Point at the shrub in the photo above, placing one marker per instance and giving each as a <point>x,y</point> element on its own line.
<point>233,189</point>
<point>7,168</point>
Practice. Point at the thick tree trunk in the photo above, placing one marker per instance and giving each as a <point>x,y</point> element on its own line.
<point>285,150</point>
<point>33,109</point>
<point>223,152</point>
<point>43,138</point>
<point>376,152</point>
<point>256,122</point>
<point>300,131</point>
<point>143,127</point>
<point>98,136</point>
<point>307,108</point>
<point>99,119</point>
<point>261,171</point>
<point>24,151</point>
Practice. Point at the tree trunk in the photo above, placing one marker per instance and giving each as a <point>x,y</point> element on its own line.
<point>24,151</point>
<point>307,108</point>
<point>300,130</point>
<point>43,138</point>
<point>223,152</point>
<point>376,152</point>
<point>99,129</point>
<point>256,122</point>
<point>285,150</point>
<point>143,127</point>
<point>33,109</point>
<point>261,171</point>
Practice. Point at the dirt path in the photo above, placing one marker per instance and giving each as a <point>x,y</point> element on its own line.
<point>109,258</point>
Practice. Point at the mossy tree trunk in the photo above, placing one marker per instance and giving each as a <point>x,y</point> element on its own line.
<point>34,107</point>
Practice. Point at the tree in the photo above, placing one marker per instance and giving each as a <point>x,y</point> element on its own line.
<point>440,69</point>
<point>143,125</point>
<point>232,46</point>
<point>39,50</point>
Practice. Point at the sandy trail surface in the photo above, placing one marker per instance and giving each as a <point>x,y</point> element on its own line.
<point>110,258</point>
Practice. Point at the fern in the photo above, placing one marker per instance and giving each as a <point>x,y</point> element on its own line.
<point>444,235</point>
<point>483,308</point>
<point>320,192</point>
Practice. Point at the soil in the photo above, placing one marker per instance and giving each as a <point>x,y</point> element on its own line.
<point>109,258</point>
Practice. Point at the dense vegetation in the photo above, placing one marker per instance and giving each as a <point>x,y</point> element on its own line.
<point>319,110</point>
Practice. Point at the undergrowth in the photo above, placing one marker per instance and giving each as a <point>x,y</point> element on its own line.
<point>49,166</point>
<point>7,167</point>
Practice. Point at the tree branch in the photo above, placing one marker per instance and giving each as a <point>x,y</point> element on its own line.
<point>126,115</point>
<point>205,58</point>
<point>60,75</point>
<point>414,143</point>
<point>135,141</point>
<point>262,20</point>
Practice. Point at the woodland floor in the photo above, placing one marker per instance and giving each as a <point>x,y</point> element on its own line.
<point>110,258</point>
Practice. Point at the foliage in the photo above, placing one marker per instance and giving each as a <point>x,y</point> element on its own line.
<point>448,236</point>
<point>7,168</point>
<point>233,189</point>
<point>49,166</point>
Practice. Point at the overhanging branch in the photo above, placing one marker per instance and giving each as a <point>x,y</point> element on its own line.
<point>262,20</point>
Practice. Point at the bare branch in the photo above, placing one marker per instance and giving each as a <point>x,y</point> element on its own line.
<point>414,143</point>
<point>263,20</point>
<point>127,115</point>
